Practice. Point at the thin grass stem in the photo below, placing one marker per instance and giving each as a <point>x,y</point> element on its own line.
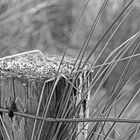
<point>118,120</point>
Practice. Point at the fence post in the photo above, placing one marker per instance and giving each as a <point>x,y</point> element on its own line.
<point>22,79</point>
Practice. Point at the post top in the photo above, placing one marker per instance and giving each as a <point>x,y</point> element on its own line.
<point>34,65</point>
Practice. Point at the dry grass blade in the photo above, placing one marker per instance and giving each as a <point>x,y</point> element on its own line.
<point>136,46</point>
<point>117,60</point>
<point>129,130</point>
<point>115,31</point>
<point>84,47</point>
<point>63,107</point>
<point>108,63</point>
<point>136,35</point>
<point>71,35</point>
<point>102,136</point>
<point>96,21</point>
<point>46,107</point>
<point>109,28</point>
<point>124,109</point>
<point>87,40</point>
<point>125,69</point>
<point>39,104</point>
<point>132,131</point>
<point>94,80</point>
<point>105,60</point>
<point>136,131</point>
<point>90,103</point>
<point>121,95</point>
<point>7,135</point>
<point>67,98</point>
<point>109,101</point>
<point>76,25</point>
<point>127,64</point>
<point>72,120</point>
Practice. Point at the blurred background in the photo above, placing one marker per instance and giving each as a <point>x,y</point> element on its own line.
<point>47,25</point>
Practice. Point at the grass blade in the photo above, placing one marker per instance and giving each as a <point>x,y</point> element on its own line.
<point>125,8</point>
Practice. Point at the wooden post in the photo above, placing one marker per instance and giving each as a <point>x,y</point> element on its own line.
<point>22,80</point>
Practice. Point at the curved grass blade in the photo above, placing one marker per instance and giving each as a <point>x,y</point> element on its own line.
<point>91,31</point>
<point>125,47</point>
<point>129,130</point>
<point>133,74</point>
<point>7,135</point>
<point>124,70</point>
<point>71,35</point>
<point>104,122</point>
<point>111,54</point>
<point>46,107</point>
<point>39,104</point>
<point>128,13</point>
<point>66,100</point>
<point>123,110</point>
<point>87,40</point>
<point>128,80</point>
<point>136,131</point>
<point>124,9</point>
<point>109,102</point>
<point>98,76</point>
<point>108,73</point>
<point>115,31</point>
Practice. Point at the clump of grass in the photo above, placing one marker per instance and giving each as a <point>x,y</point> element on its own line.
<point>113,85</point>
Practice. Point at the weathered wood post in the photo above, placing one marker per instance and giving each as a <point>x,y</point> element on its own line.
<point>27,79</point>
